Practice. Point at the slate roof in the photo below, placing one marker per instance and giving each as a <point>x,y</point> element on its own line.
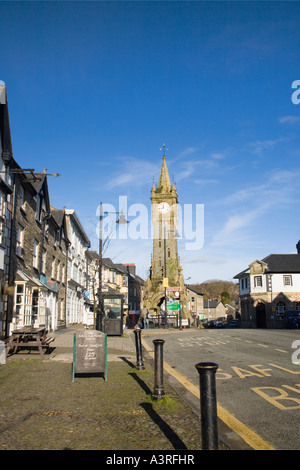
<point>278,264</point>
<point>211,303</point>
<point>283,263</point>
<point>194,290</point>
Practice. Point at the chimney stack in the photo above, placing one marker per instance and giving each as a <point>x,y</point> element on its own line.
<point>130,268</point>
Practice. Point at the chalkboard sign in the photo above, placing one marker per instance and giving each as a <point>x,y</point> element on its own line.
<point>90,353</point>
<point>2,353</point>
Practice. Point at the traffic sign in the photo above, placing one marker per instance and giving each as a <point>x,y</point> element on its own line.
<point>173,305</point>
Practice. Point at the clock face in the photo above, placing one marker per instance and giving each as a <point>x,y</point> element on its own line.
<point>163,207</point>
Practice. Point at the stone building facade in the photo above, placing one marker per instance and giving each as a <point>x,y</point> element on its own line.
<point>6,211</point>
<point>77,269</point>
<point>269,288</point>
<point>196,304</point>
<point>114,281</point>
<point>38,256</point>
<point>135,289</point>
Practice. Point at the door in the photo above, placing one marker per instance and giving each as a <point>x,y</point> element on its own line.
<point>261,315</point>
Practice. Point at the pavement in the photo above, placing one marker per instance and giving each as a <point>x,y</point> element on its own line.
<point>120,414</point>
<point>117,346</point>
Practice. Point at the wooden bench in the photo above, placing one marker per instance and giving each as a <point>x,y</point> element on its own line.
<point>48,340</point>
<point>26,342</point>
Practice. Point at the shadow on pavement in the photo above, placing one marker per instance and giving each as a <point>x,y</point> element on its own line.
<point>174,439</point>
<point>164,427</point>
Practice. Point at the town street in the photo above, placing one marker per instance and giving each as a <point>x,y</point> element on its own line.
<point>258,379</point>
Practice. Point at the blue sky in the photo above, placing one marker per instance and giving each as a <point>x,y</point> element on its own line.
<point>96,88</point>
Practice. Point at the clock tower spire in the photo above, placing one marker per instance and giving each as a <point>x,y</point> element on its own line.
<point>165,267</point>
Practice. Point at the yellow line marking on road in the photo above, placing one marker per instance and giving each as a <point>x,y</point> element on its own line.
<point>281,350</point>
<point>263,345</point>
<point>247,434</point>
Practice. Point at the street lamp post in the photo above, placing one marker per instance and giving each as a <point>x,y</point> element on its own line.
<point>100,305</point>
<point>165,275</point>
<point>121,220</point>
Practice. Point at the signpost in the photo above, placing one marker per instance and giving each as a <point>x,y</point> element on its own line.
<point>90,353</point>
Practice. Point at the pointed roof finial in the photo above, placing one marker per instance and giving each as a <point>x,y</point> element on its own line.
<point>164,150</point>
<point>164,183</point>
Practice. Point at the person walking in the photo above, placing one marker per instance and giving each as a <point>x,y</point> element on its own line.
<point>147,319</point>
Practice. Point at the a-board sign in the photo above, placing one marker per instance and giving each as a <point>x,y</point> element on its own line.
<point>90,353</point>
<point>2,353</point>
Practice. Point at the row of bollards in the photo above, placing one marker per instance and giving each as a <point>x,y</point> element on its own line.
<point>159,391</point>
<point>208,401</point>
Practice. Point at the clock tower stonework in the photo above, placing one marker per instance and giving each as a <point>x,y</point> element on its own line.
<point>165,262</point>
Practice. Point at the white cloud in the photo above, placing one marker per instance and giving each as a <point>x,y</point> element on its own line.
<point>262,145</point>
<point>275,189</point>
<point>133,170</point>
<point>203,259</point>
<point>217,155</point>
<point>289,119</point>
<point>187,151</point>
<point>204,182</point>
<point>249,204</point>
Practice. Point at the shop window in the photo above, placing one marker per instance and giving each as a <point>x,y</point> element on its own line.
<point>35,306</point>
<point>19,301</point>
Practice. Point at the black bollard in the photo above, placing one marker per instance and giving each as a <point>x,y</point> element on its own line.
<point>208,404</point>
<point>159,391</point>
<point>138,346</point>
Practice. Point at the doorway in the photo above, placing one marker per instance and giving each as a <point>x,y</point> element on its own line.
<point>261,315</point>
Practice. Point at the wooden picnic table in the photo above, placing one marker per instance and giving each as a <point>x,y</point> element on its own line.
<point>29,337</point>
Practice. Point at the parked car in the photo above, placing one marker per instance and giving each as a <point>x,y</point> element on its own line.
<point>292,318</point>
<point>234,324</point>
<point>220,322</point>
<point>210,324</point>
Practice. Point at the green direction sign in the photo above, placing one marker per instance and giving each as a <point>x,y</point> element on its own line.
<point>173,305</point>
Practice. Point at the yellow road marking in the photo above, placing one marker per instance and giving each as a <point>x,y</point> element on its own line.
<point>248,435</point>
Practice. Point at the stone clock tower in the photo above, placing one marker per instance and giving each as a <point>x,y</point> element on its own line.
<point>165,263</point>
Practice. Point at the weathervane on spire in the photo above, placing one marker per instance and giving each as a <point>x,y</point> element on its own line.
<point>164,149</point>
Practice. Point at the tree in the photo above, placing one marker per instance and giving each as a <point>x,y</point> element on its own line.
<point>213,289</point>
<point>225,297</point>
